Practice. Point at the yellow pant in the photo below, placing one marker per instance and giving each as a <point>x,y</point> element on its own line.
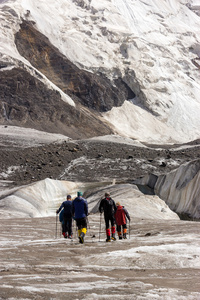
<point>84,230</point>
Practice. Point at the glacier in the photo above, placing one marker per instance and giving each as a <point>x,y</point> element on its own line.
<point>153,47</point>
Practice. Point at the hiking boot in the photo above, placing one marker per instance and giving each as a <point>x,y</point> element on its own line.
<point>65,235</point>
<point>70,237</point>
<point>113,237</point>
<point>120,237</point>
<point>124,236</point>
<point>108,238</point>
<point>81,238</point>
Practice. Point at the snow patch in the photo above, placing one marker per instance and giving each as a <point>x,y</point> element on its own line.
<point>27,137</point>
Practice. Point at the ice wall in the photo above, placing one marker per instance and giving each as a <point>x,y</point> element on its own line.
<point>44,197</point>
<point>180,189</point>
<point>36,200</point>
<point>139,206</point>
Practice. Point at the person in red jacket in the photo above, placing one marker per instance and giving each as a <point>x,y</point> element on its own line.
<point>121,215</point>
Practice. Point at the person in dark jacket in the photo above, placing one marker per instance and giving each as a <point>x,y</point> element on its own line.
<point>107,205</point>
<point>80,213</point>
<point>66,217</point>
<point>121,215</point>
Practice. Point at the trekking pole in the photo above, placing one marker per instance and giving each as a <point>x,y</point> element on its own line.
<point>129,229</point>
<point>77,231</point>
<point>73,225</point>
<point>56,224</point>
<point>88,223</point>
<point>100,227</point>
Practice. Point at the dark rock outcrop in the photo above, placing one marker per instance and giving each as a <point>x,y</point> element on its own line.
<point>91,90</point>
<point>27,102</point>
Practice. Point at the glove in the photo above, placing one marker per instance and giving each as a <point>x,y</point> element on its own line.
<point>57,211</point>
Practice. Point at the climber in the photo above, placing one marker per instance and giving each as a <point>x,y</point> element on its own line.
<point>120,216</point>
<point>107,205</point>
<point>65,217</point>
<point>80,213</point>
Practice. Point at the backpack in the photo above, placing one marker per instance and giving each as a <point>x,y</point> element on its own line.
<point>61,216</point>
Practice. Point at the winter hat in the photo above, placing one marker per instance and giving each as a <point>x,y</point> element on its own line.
<point>79,194</point>
<point>68,196</point>
<point>118,204</point>
<point>107,194</point>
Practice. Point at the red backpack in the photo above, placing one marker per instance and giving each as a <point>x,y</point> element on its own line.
<point>120,215</point>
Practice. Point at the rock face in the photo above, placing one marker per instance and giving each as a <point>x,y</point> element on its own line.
<point>180,188</point>
<point>98,56</point>
<point>28,102</point>
<point>92,90</point>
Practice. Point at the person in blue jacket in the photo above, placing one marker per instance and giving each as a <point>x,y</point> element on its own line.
<point>80,213</point>
<point>66,217</point>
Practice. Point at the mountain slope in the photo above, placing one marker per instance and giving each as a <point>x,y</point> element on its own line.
<point>96,56</point>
